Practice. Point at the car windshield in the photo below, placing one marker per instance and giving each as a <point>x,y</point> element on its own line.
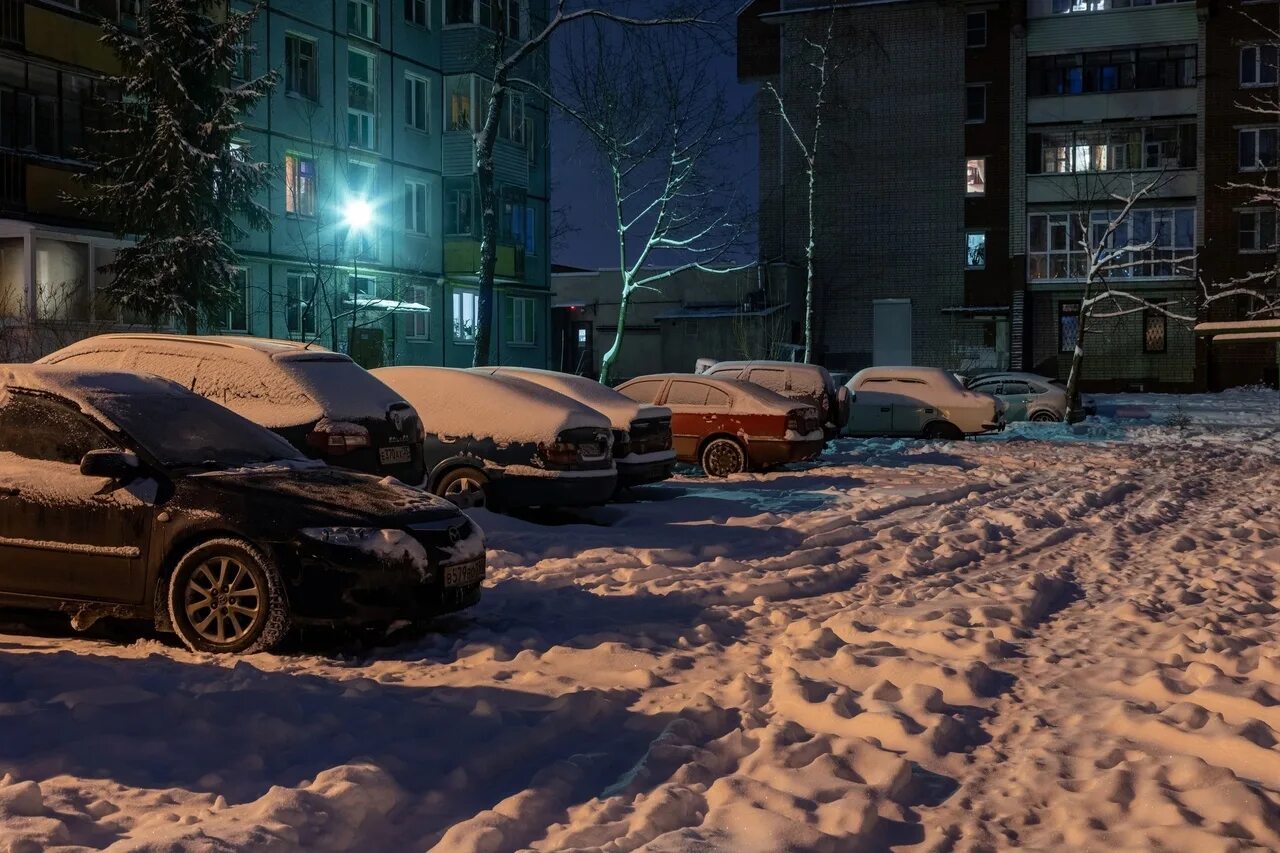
<point>188,431</point>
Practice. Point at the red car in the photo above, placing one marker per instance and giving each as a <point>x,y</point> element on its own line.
<point>728,426</point>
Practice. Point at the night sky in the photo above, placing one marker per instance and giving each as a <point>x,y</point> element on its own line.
<point>580,187</point>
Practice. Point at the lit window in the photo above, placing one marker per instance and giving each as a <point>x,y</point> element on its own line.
<point>1155,331</point>
<point>975,182</point>
<point>459,97</point>
<point>466,314</point>
<point>299,185</point>
<point>975,255</point>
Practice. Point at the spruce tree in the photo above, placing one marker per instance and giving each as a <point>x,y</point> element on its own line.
<point>165,173</point>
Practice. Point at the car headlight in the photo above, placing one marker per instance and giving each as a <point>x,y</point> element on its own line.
<point>350,537</point>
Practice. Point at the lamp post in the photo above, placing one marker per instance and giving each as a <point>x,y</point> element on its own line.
<point>358,215</point>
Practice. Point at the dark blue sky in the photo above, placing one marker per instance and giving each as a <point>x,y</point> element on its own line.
<point>580,186</point>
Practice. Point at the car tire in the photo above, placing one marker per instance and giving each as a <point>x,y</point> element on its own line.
<point>465,488</point>
<point>722,457</point>
<point>941,430</point>
<point>1045,418</point>
<point>209,597</point>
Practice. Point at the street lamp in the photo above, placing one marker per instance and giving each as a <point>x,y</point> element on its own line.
<point>358,215</point>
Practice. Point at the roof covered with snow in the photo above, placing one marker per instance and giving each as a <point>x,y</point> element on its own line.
<point>455,402</point>
<point>620,409</point>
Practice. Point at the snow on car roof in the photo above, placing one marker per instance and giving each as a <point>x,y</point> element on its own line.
<point>620,409</point>
<point>922,374</point>
<point>273,383</point>
<point>740,391</point>
<point>455,402</point>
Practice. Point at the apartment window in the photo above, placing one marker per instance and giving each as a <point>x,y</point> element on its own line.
<point>513,119</point>
<point>1170,146</point>
<point>459,12</point>
<point>975,252</point>
<point>238,307</point>
<point>363,288</point>
<point>466,315</point>
<point>1112,71</point>
<point>418,12</point>
<point>975,103</point>
<point>242,62</point>
<point>531,141</point>
<point>975,29</point>
<point>1258,65</point>
<point>300,67</point>
<point>460,96</point>
<point>1057,250</point>
<point>418,325</point>
<point>530,231</point>
<point>299,185</point>
<point>361,19</point>
<point>511,226</point>
<point>1258,148</point>
<point>361,100</point>
<point>1155,331</point>
<point>416,206</point>
<point>361,179</point>
<point>459,214</point>
<point>299,318</point>
<point>523,330</point>
<point>416,102</point>
<point>975,177</point>
<point>1068,325</point>
<point>1257,230</point>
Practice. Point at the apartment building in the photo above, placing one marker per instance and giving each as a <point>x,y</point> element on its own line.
<point>375,243</point>
<point>973,141</point>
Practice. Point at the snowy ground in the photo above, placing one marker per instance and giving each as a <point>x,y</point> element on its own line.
<point>1056,639</point>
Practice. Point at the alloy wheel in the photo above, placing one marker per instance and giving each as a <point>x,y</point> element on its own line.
<point>222,600</point>
<point>465,492</point>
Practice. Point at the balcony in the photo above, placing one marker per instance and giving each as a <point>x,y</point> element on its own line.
<point>1108,27</point>
<point>1051,8</point>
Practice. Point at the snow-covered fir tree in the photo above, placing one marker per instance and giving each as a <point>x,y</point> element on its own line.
<point>165,172</point>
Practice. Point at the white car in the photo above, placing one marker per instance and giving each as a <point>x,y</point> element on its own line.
<point>919,401</point>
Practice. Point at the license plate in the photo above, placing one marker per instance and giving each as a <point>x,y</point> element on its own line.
<point>464,574</point>
<point>393,455</point>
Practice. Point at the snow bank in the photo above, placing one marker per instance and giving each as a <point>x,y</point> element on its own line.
<point>461,403</point>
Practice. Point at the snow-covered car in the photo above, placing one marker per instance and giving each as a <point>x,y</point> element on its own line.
<point>808,383</point>
<point>127,496</point>
<point>321,402</point>
<point>728,426</point>
<point>504,442</point>
<point>1030,396</point>
<point>642,447</point>
<point>1026,397</point>
<point>919,401</point>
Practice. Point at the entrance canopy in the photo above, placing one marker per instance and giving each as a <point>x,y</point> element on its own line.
<point>1239,331</point>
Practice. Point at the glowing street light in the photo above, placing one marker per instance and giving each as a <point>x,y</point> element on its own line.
<point>358,214</point>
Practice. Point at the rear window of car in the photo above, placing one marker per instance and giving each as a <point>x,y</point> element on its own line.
<point>643,392</point>
<point>771,378</point>
<point>344,389</point>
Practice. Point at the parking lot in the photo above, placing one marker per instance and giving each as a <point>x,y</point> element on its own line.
<point>903,643</point>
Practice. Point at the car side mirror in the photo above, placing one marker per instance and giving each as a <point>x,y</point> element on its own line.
<point>118,465</point>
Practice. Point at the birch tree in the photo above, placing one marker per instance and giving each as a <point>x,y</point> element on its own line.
<point>509,54</point>
<point>824,58</point>
<point>1115,249</point>
<point>657,119</point>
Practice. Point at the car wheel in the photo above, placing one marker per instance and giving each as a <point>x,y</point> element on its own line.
<point>225,597</point>
<point>722,457</point>
<point>941,430</point>
<point>1045,418</point>
<point>463,487</point>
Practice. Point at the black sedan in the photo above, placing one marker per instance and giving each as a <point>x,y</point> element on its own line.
<point>125,495</point>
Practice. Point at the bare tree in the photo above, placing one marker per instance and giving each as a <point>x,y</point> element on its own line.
<point>509,54</point>
<point>657,119</point>
<point>838,46</point>
<point>1113,251</point>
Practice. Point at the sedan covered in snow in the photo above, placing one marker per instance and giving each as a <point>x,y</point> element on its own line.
<point>807,383</point>
<point>128,496</point>
<point>728,426</point>
<point>641,433</point>
<point>504,442</point>
<point>321,402</point>
<point>1030,396</point>
<point>919,401</point>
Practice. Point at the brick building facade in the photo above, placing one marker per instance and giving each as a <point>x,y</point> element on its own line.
<point>966,141</point>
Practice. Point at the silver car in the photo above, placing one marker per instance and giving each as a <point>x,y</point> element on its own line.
<point>1027,396</point>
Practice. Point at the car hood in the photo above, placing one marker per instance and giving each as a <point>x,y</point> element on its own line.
<point>327,495</point>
